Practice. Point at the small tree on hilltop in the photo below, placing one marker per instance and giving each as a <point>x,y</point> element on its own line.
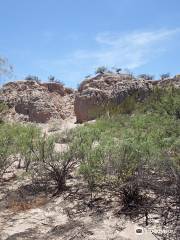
<point>164,76</point>
<point>87,76</point>
<point>146,76</point>
<point>32,78</point>
<point>53,79</point>
<point>101,70</point>
<point>118,70</point>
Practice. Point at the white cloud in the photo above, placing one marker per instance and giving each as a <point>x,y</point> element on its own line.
<point>130,50</point>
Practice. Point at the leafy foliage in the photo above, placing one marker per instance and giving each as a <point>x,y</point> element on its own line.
<point>122,146</point>
<point>146,76</point>
<point>15,139</point>
<point>53,79</point>
<point>37,153</point>
<point>3,107</point>
<point>164,76</point>
<point>32,78</point>
<point>101,70</point>
<point>131,196</point>
<point>134,148</point>
<point>50,167</point>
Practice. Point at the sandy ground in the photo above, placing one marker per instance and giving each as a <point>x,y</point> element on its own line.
<point>58,126</point>
<point>65,217</point>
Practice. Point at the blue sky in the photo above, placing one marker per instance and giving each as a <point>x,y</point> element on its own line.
<point>71,38</point>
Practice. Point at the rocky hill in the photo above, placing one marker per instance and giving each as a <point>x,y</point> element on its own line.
<point>114,178</point>
<point>37,102</point>
<point>104,89</point>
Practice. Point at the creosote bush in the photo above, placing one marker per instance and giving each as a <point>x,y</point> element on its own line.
<point>36,153</point>
<point>3,107</point>
<point>138,145</point>
<point>131,196</point>
<point>146,76</point>
<point>16,139</point>
<point>101,70</point>
<point>50,167</point>
<point>32,78</point>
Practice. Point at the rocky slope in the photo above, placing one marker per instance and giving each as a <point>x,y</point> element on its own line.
<point>95,93</point>
<point>40,102</point>
<point>37,102</point>
<point>104,89</point>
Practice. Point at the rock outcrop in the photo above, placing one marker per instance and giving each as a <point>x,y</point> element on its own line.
<point>37,102</point>
<point>96,93</point>
<point>104,89</point>
<point>174,82</point>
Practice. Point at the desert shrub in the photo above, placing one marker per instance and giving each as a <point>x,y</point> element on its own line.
<point>131,195</point>
<point>7,147</point>
<point>121,160</point>
<point>53,79</point>
<point>131,155</point>
<point>123,147</point>
<point>117,70</point>
<point>87,76</point>
<point>37,152</point>
<point>164,76</point>
<point>16,139</point>
<point>49,167</point>
<point>28,136</point>
<point>146,76</point>
<point>91,169</point>
<point>162,101</point>
<point>3,107</point>
<point>101,70</point>
<point>82,147</point>
<point>32,78</point>
<point>98,152</point>
<point>5,153</point>
<point>128,105</point>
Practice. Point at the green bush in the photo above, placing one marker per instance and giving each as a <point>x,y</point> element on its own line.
<point>163,101</point>
<point>3,107</point>
<point>49,167</point>
<point>131,195</point>
<point>16,139</point>
<point>129,144</point>
<point>101,70</point>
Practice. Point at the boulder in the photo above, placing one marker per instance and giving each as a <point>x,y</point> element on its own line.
<point>98,93</point>
<point>105,89</point>
<point>37,102</point>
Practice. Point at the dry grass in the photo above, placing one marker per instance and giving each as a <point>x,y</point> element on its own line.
<point>23,205</point>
